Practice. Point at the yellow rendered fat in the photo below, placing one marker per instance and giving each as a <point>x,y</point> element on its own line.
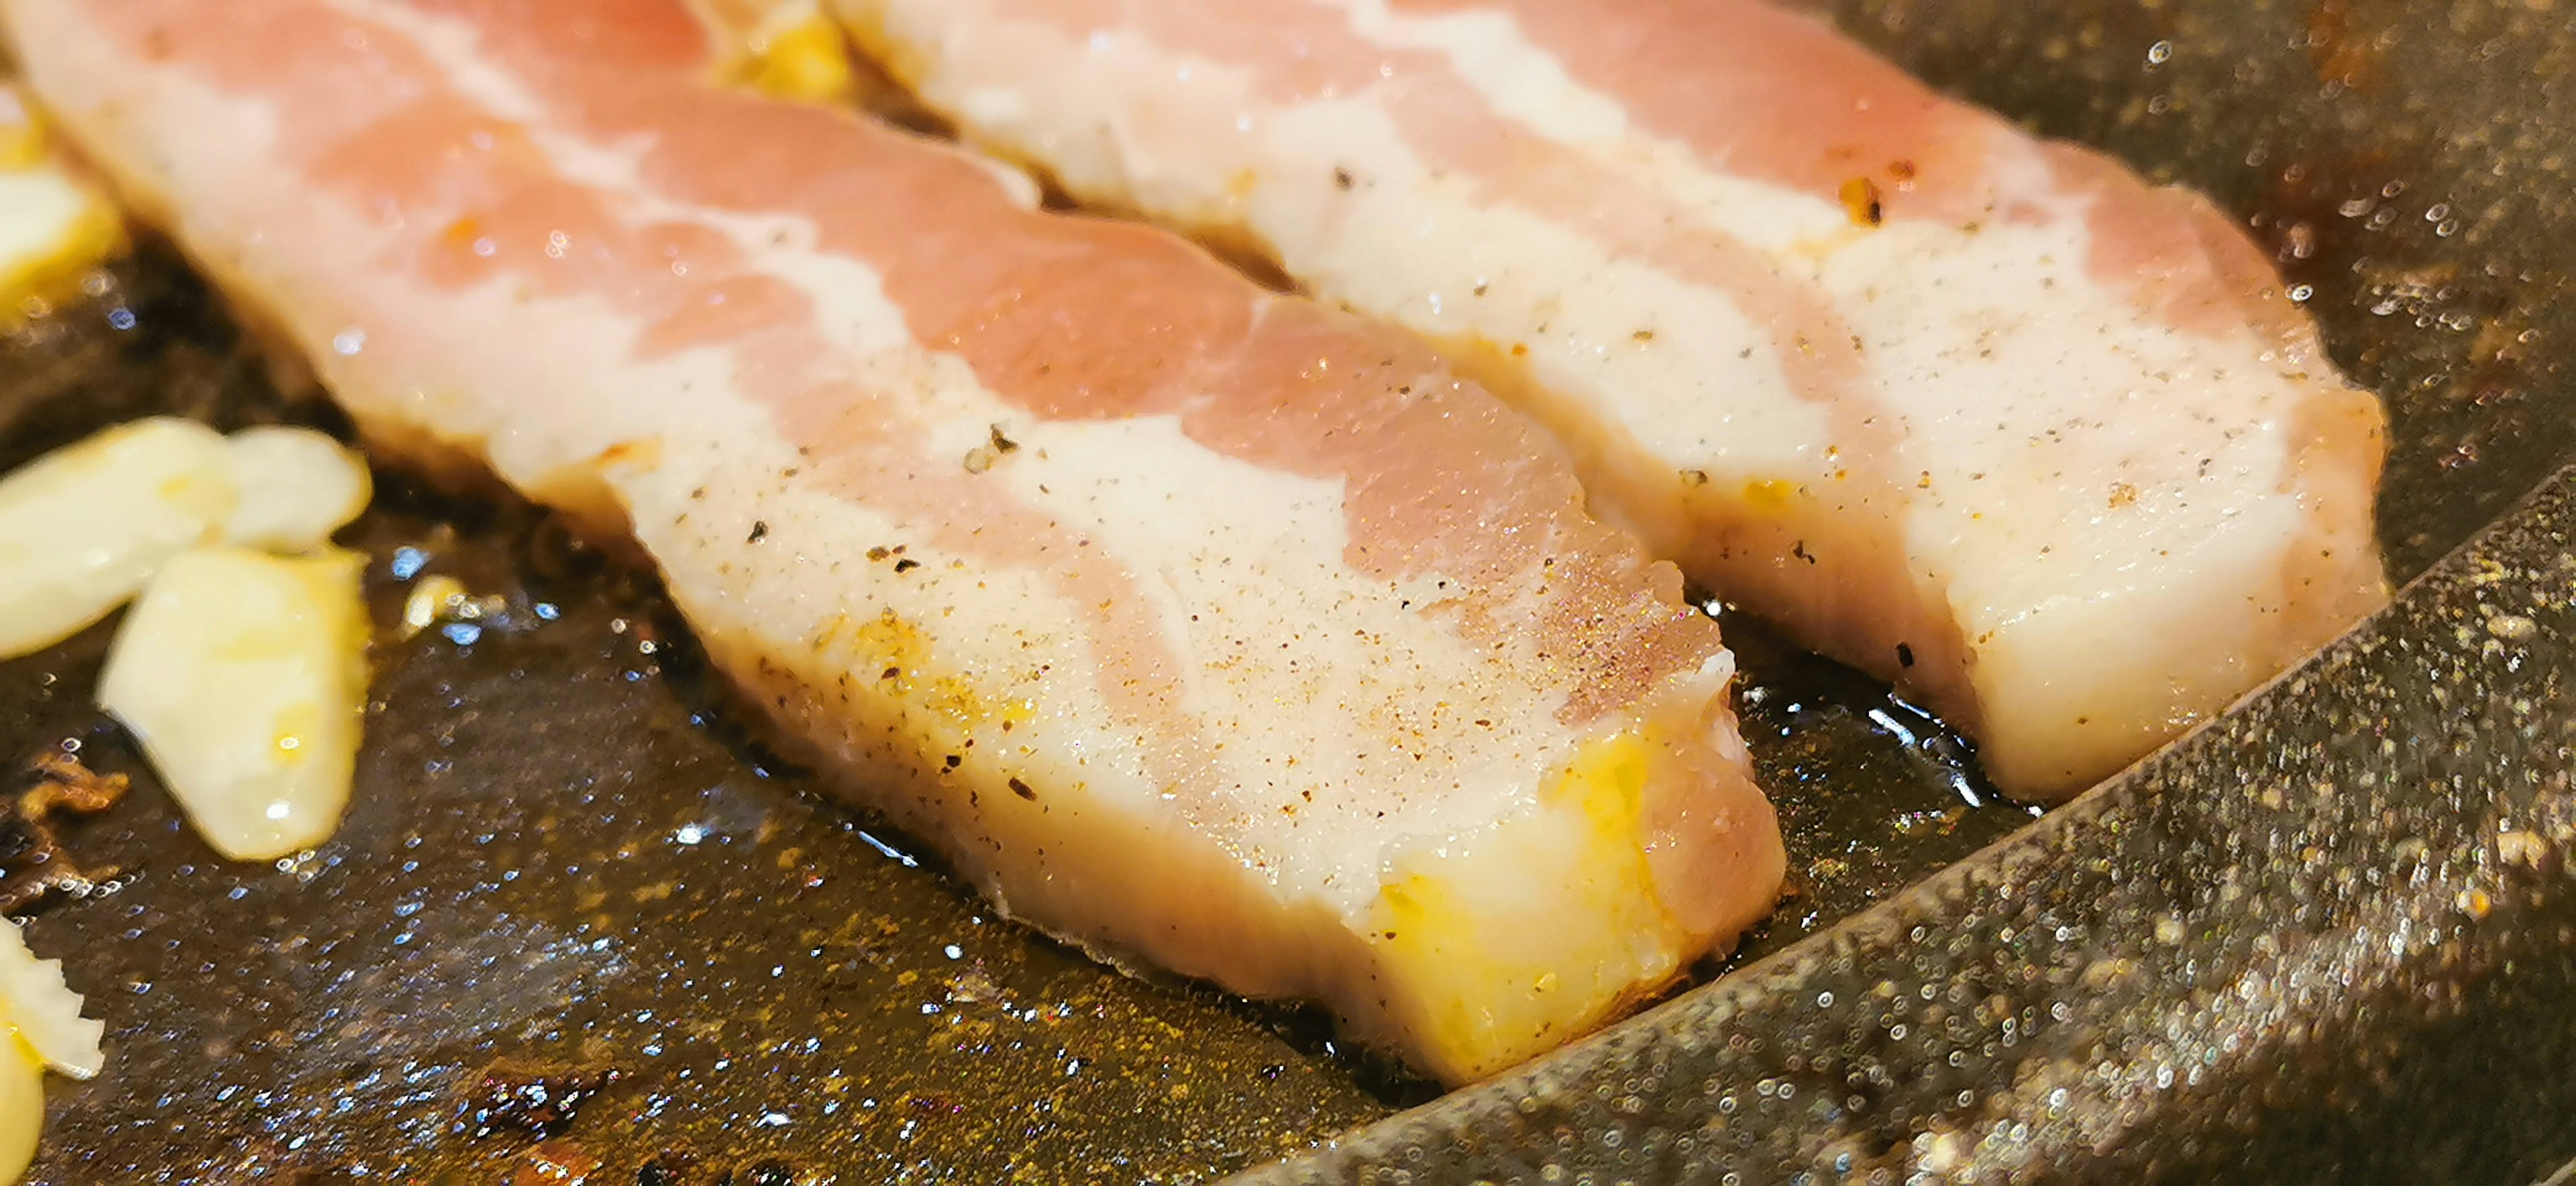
<point>803,60</point>
<point>1484,1009</point>
<point>1607,782</point>
<point>895,655</point>
<point>1770,494</point>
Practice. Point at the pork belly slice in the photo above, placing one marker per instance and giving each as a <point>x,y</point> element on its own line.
<point>1195,624</point>
<point>1988,417</point>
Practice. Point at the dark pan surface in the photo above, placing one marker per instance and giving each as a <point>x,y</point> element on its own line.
<point>335,1019</point>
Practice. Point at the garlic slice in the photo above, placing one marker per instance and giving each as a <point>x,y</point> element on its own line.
<point>244,676</point>
<point>40,1025</point>
<point>22,1104</point>
<point>45,1010</point>
<point>297,487</point>
<point>83,527</point>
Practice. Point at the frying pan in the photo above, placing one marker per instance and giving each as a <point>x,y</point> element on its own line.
<point>578,929</point>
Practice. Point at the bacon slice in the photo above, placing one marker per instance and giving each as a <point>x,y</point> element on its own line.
<point>1192,623</point>
<point>1988,417</point>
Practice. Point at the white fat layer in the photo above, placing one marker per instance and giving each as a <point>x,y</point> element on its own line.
<point>1254,583</point>
<point>1234,560</point>
<point>1433,251</point>
<point>1440,255</point>
<point>1430,250</point>
<point>1518,80</point>
<point>1523,84</point>
<point>849,296</point>
<point>1992,345</point>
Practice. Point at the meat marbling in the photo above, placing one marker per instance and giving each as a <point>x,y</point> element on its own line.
<point>1193,623</point>
<point>1989,417</point>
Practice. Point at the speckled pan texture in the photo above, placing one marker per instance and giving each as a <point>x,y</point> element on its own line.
<point>577,929</point>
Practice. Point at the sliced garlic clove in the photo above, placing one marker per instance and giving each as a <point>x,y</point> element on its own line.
<point>83,527</point>
<point>244,676</point>
<point>22,1105</point>
<point>45,1010</point>
<point>297,487</point>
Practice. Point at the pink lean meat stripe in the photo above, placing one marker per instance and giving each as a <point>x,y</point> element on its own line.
<point>1989,417</point>
<point>1196,624</point>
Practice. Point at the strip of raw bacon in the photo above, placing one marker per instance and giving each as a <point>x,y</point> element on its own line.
<point>1989,417</point>
<point>1192,623</point>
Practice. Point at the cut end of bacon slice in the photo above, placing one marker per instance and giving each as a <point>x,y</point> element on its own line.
<point>1991,418</point>
<point>1198,625</point>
